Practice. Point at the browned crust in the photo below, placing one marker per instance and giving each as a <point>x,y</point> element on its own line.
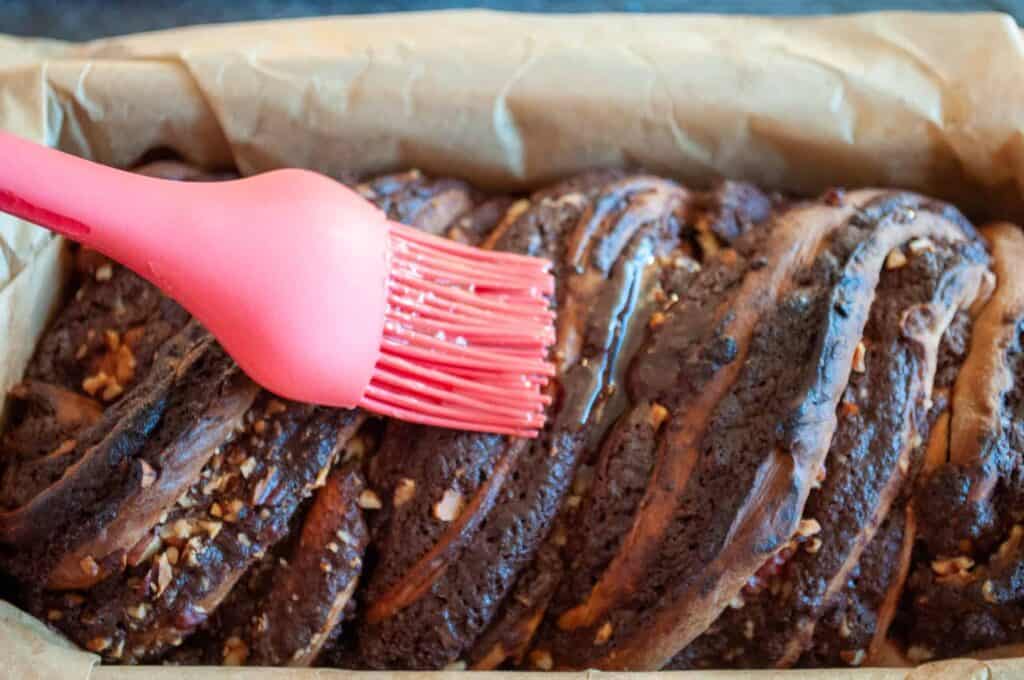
<point>986,376</point>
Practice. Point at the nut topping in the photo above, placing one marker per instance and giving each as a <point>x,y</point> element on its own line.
<point>103,273</point>
<point>449,507</point>
<point>248,466</point>
<point>148,474</point>
<point>98,644</point>
<point>895,259</point>
<point>404,491</point>
<point>369,500</point>
<point>542,660</point>
<point>954,565</point>
<point>89,566</point>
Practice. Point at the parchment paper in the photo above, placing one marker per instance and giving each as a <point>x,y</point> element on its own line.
<point>927,102</point>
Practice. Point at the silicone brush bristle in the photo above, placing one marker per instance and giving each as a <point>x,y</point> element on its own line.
<point>466,337</point>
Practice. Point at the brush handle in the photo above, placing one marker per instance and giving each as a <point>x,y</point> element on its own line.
<point>287,269</point>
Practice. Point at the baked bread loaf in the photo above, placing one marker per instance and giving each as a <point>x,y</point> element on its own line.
<point>784,433</point>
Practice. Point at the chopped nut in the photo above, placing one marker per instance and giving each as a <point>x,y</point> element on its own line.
<point>321,477</point>
<point>813,546</point>
<point>217,483</point>
<point>54,615</point>
<point>737,602</point>
<point>265,487</point>
<point>604,633</point>
<point>368,500</point>
<point>210,527</point>
<point>988,591</point>
<point>326,567</point>
<point>542,660</point>
<point>181,530</point>
<point>573,501</point>
<point>139,611</point>
<point>355,448</point>
<point>558,536</point>
<point>216,510</point>
<point>449,507</point>
<point>194,547</point>
<point>113,339</point>
<point>92,384</point>
<point>264,514</point>
<point>918,654</point>
<point>186,501</point>
<point>82,350</point>
<point>748,629</point>
<point>104,272</point>
<point>243,540</point>
<point>148,474</point>
<point>98,644</point>
<point>164,574</point>
<point>582,481</point>
<point>144,550</point>
<point>248,466</point>
<point>657,319</point>
<point>89,566</point>
<point>808,527</point>
<point>333,547</point>
<point>895,259</point>
<point>405,490</point>
<point>658,415</point>
<point>903,464</point>
<point>346,537</point>
<point>955,565</point>
<point>859,356</point>
<point>112,391</point>
<point>920,245</point>
<point>853,657</point>
<point>235,652</point>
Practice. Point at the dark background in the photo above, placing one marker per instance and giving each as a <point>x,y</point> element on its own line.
<point>85,19</point>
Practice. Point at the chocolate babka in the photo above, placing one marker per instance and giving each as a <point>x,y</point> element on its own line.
<point>783,433</point>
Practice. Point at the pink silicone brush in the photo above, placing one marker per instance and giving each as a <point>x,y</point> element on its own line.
<point>312,290</point>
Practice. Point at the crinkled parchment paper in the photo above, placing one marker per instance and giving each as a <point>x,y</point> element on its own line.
<point>928,102</point>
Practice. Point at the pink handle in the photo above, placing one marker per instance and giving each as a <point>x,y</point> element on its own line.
<point>288,269</point>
